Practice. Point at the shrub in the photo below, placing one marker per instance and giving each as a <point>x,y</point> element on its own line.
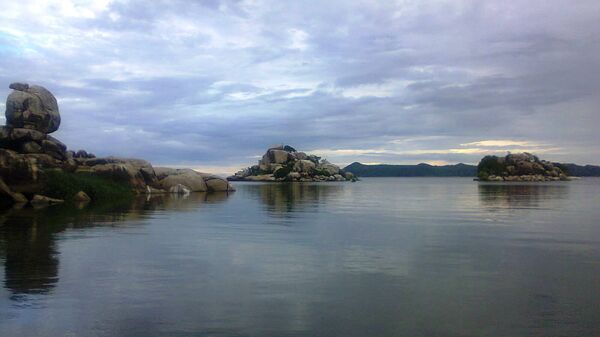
<point>321,172</point>
<point>64,185</point>
<point>282,172</point>
<point>490,165</point>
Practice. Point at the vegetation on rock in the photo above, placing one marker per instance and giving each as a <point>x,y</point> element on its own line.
<point>65,185</point>
<point>518,167</point>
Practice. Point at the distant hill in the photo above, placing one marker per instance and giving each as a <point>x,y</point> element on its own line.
<point>581,171</point>
<point>458,170</point>
<point>420,170</point>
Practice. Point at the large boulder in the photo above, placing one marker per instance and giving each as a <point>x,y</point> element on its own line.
<point>136,172</point>
<point>169,178</point>
<point>32,107</point>
<point>21,172</point>
<point>304,166</point>
<point>7,193</point>
<point>216,184</point>
<point>328,167</point>
<point>278,156</point>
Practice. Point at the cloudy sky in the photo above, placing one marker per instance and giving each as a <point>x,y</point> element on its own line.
<point>212,84</point>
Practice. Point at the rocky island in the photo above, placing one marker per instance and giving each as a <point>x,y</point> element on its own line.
<point>284,163</point>
<point>37,168</point>
<point>519,167</point>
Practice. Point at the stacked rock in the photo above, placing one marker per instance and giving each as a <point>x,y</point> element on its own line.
<point>284,163</point>
<point>31,115</point>
<point>27,149</point>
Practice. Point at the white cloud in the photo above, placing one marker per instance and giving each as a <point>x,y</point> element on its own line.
<point>501,143</point>
<point>298,39</point>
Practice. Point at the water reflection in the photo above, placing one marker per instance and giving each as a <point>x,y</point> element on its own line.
<point>28,235</point>
<point>530,195</point>
<point>281,200</point>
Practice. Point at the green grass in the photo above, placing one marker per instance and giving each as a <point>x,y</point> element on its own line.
<point>64,185</point>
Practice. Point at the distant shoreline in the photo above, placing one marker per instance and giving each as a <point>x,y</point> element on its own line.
<point>431,171</point>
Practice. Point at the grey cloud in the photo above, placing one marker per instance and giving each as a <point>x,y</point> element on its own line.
<point>214,83</point>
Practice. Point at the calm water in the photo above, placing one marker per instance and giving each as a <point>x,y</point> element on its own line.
<point>382,257</point>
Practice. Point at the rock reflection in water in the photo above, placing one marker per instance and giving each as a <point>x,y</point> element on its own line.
<point>28,242</point>
<point>527,195</point>
<point>284,199</point>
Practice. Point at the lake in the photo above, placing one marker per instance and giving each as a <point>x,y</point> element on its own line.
<point>380,257</point>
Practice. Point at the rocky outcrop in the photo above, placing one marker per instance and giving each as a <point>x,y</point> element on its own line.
<point>27,151</point>
<point>284,163</point>
<point>519,167</point>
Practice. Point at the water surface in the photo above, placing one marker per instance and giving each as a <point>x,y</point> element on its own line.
<point>381,257</point>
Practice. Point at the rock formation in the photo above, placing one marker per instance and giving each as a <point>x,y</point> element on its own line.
<point>27,151</point>
<point>519,167</point>
<point>284,163</point>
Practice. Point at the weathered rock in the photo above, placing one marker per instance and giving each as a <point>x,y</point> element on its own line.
<point>51,148</point>
<point>19,86</point>
<point>305,166</point>
<point>30,147</point>
<point>300,156</point>
<point>15,197</point>
<point>329,168</point>
<point>81,196</point>
<point>278,156</point>
<point>216,184</point>
<point>21,134</point>
<point>42,200</point>
<point>169,178</point>
<point>32,107</point>
<point>18,171</point>
<point>136,172</point>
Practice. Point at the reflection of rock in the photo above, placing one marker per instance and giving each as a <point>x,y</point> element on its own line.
<point>27,235</point>
<point>520,195</point>
<point>281,199</point>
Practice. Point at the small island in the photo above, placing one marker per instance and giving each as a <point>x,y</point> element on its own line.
<point>283,163</point>
<point>519,167</point>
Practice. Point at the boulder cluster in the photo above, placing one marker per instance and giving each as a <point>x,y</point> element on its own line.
<point>284,163</point>
<point>27,150</point>
<point>519,167</point>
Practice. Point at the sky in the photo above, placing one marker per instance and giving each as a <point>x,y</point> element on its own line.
<point>212,84</point>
